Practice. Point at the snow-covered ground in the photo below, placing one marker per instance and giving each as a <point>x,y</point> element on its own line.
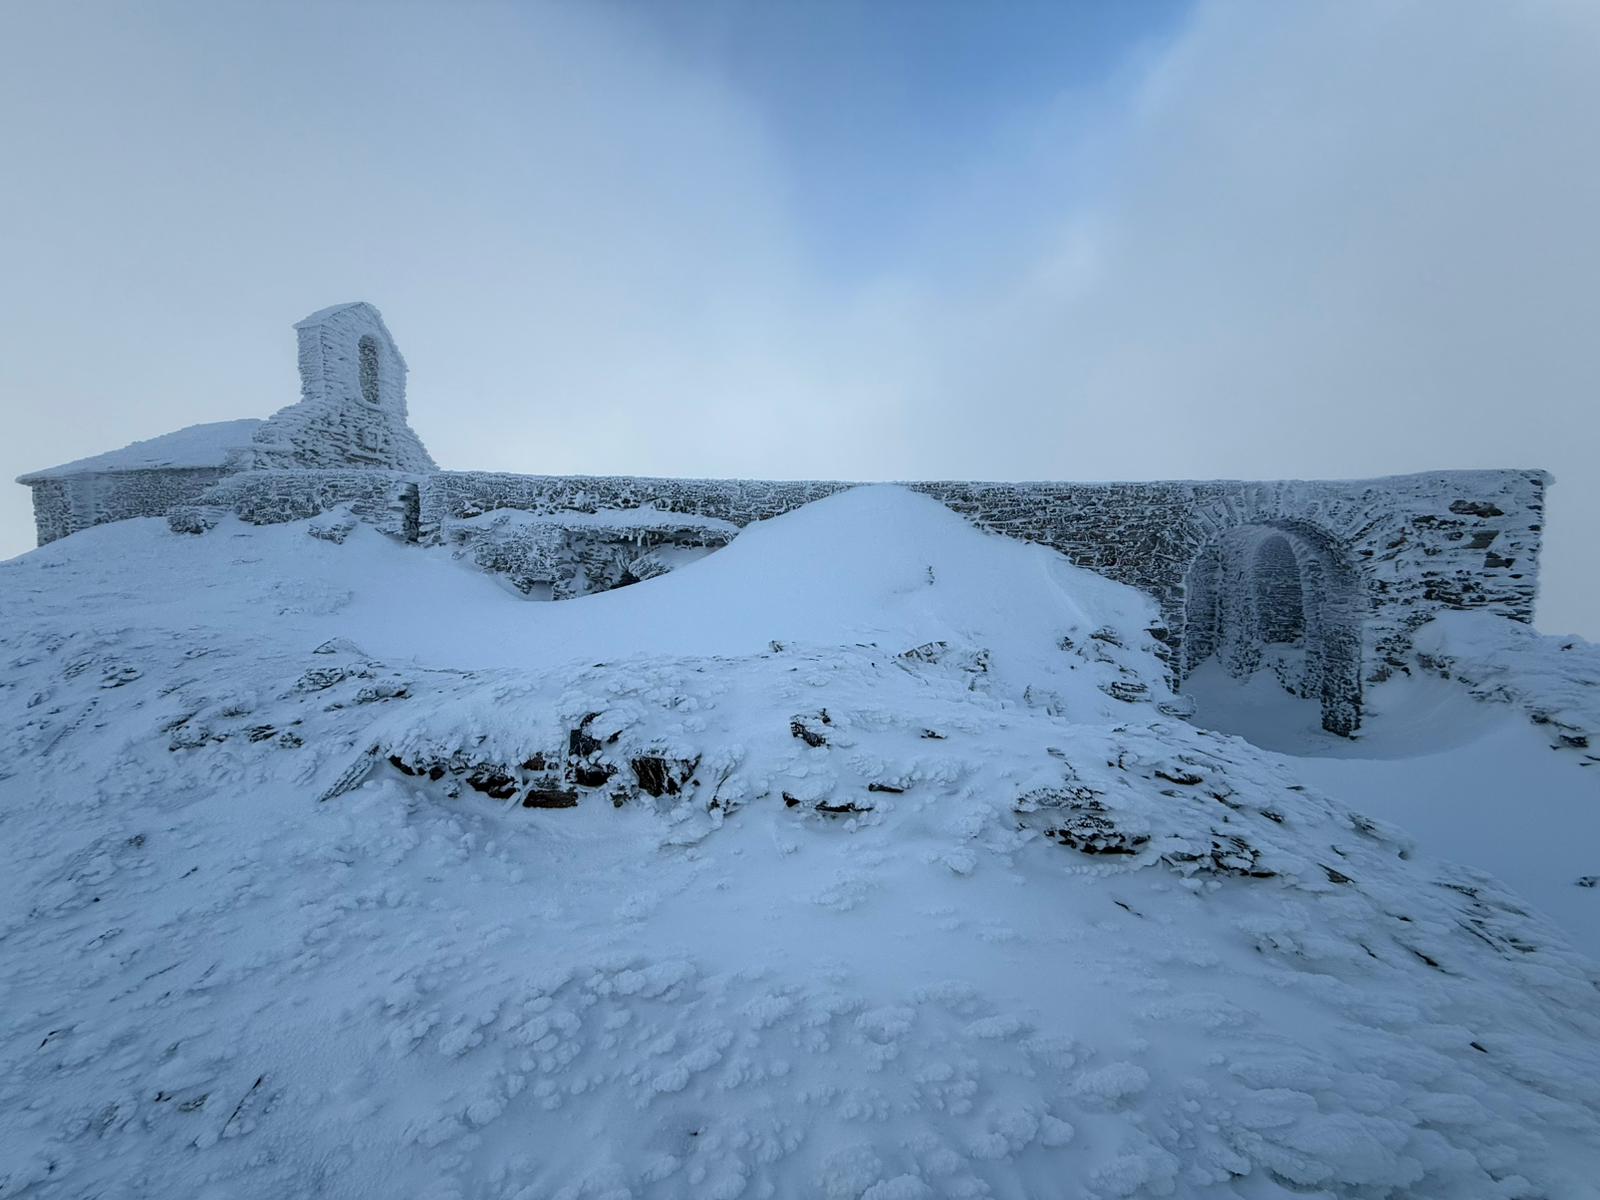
<point>1472,781</point>
<point>861,858</point>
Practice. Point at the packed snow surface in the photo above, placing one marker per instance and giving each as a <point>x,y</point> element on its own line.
<point>207,445</point>
<point>859,859</point>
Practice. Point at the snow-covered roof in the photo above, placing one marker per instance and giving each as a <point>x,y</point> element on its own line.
<point>195,446</point>
<point>322,314</point>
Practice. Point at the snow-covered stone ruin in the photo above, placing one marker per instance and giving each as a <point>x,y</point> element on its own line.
<point>351,414</point>
<point>1324,582</point>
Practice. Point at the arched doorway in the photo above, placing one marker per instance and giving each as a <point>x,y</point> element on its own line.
<point>1283,596</point>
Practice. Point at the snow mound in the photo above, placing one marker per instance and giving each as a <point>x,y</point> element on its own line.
<point>857,859</point>
<point>878,565</point>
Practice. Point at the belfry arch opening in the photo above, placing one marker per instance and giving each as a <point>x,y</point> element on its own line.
<point>1280,597</point>
<point>367,356</point>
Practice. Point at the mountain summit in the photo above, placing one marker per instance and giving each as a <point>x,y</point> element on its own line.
<point>868,857</point>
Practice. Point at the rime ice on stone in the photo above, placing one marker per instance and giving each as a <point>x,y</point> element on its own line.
<point>1325,582</point>
<point>556,556</point>
<point>352,409</point>
<point>1285,595</point>
<point>351,414</point>
<point>146,479</point>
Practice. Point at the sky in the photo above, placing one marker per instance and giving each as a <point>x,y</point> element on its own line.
<point>1154,239</point>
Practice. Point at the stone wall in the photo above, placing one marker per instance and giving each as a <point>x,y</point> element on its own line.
<point>66,504</point>
<point>1454,539</point>
<point>52,509</point>
<point>451,495</point>
<point>1374,558</point>
<point>385,499</point>
<point>1412,545</point>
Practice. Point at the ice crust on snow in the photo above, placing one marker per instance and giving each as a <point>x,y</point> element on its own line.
<point>269,930</point>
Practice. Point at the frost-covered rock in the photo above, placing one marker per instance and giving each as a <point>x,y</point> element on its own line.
<point>560,555</point>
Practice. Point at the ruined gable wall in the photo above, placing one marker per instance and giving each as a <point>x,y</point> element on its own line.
<point>335,425</point>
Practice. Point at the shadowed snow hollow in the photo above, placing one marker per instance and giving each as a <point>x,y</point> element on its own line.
<point>858,859</point>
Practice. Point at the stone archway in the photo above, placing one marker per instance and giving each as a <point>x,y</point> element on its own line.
<point>1282,595</point>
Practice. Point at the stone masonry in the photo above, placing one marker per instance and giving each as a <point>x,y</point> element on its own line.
<point>1323,581</point>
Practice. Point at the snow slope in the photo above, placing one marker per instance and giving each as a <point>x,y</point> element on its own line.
<point>1556,680</point>
<point>1474,781</point>
<point>858,859</point>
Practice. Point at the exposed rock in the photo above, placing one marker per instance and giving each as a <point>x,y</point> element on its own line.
<point>117,675</point>
<point>564,554</point>
<point>1129,691</point>
<point>927,652</point>
<point>318,679</point>
<point>333,526</point>
<point>550,797</point>
<point>1074,816</point>
<point>659,776</point>
<point>385,689</point>
<point>845,808</point>
<point>804,729</point>
<point>340,645</point>
<point>495,784</point>
<point>1226,854</point>
<point>585,766</point>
